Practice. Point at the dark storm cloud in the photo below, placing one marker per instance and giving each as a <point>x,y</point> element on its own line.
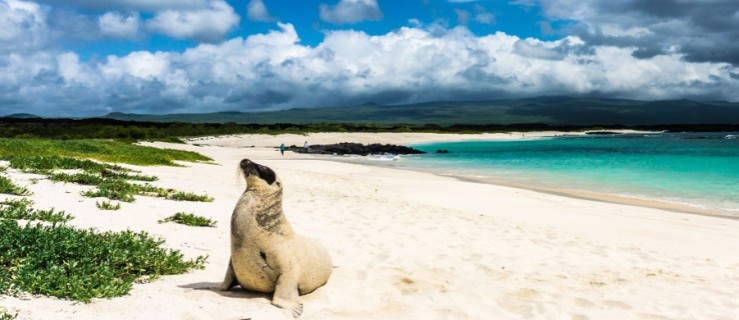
<point>703,31</point>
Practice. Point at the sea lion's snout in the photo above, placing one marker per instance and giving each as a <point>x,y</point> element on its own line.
<point>254,169</point>
<point>246,164</point>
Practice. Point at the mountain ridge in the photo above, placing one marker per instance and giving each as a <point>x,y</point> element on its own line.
<point>552,110</point>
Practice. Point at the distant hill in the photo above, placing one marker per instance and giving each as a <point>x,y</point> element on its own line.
<point>22,116</point>
<point>545,110</point>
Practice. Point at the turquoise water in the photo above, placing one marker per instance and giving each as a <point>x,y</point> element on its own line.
<point>698,169</point>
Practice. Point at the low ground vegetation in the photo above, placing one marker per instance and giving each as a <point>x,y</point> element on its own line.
<point>40,254</point>
<point>106,205</point>
<point>81,265</point>
<point>189,219</point>
<point>22,209</point>
<point>8,187</point>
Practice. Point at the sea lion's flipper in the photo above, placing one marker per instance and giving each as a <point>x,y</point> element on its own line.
<point>229,281</point>
<point>286,293</point>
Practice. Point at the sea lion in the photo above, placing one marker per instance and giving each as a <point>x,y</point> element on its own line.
<point>266,254</point>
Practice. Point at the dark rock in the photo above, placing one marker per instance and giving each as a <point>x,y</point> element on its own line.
<point>602,132</point>
<point>355,148</point>
<point>442,151</point>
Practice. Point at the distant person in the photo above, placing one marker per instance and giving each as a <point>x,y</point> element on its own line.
<point>305,147</point>
<point>282,149</point>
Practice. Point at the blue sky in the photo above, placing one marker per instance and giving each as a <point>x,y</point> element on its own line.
<point>91,57</point>
<point>492,16</point>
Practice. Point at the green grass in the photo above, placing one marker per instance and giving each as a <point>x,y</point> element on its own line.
<point>189,219</point>
<point>21,209</point>
<point>101,150</point>
<point>8,187</point>
<point>106,205</point>
<point>75,264</point>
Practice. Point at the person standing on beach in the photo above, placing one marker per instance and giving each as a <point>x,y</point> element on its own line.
<point>282,149</point>
<point>305,147</point>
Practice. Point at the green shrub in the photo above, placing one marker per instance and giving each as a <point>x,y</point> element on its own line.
<point>7,187</point>
<point>106,205</point>
<point>189,219</point>
<point>101,150</point>
<point>75,264</point>
<point>43,164</point>
<point>188,196</point>
<point>114,190</point>
<point>21,209</point>
<point>4,315</point>
<point>123,191</point>
<point>79,178</point>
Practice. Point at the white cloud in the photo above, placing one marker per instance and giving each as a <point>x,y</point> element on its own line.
<point>481,15</point>
<point>463,16</point>
<point>257,11</point>
<point>140,64</point>
<point>135,5</point>
<point>120,26</point>
<point>23,26</point>
<point>411,64</point>
<point>350,11</point>
<point>209,24</point>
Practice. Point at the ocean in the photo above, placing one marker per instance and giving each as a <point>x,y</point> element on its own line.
<point>699,170</point>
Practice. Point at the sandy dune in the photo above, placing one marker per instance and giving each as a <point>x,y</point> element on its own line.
<point>410,245</point>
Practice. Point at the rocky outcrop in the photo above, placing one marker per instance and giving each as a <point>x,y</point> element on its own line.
<point>355,149</point>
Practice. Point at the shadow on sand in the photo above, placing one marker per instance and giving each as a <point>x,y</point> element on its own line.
<point>235,292</point>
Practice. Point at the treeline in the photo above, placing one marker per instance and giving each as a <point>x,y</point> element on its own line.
<point>97,128</point>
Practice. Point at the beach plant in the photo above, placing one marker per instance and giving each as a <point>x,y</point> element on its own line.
<point>106,205</point>
<point>188,196</point>
<point>81,265</point>
<point>189,219</point>
<point>116,189</point>
<point>47,156</point>
<point>100,150</point>
<point>8,187</point>
<point>4,315</point>
<point>22,209</point>
<point>83,178</point>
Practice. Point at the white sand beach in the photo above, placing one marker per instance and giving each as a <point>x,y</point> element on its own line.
<point>414,245</point>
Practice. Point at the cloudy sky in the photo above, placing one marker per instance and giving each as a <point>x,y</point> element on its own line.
<point>92,57</point>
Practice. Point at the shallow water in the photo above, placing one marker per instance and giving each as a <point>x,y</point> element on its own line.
<point>697,169</point>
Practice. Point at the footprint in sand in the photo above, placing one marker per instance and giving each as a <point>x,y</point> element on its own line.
<point>617,304</point>
<point>584,302</point>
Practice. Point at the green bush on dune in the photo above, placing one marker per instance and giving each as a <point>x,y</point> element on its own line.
<point>106,205</point>
<point>8,187</point>
<point>80,265</point>
<point>21,209</point>
<point>47,156</point>
<point>101,150</point>
<point>4,315</point>
<point>65,262</point>
<point>189,219</point>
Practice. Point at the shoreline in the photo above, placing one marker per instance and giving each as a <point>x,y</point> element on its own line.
<point>607,197</point>
<point>564,192</point>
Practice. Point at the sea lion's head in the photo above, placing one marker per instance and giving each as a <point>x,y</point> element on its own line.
<point>259,177</point>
